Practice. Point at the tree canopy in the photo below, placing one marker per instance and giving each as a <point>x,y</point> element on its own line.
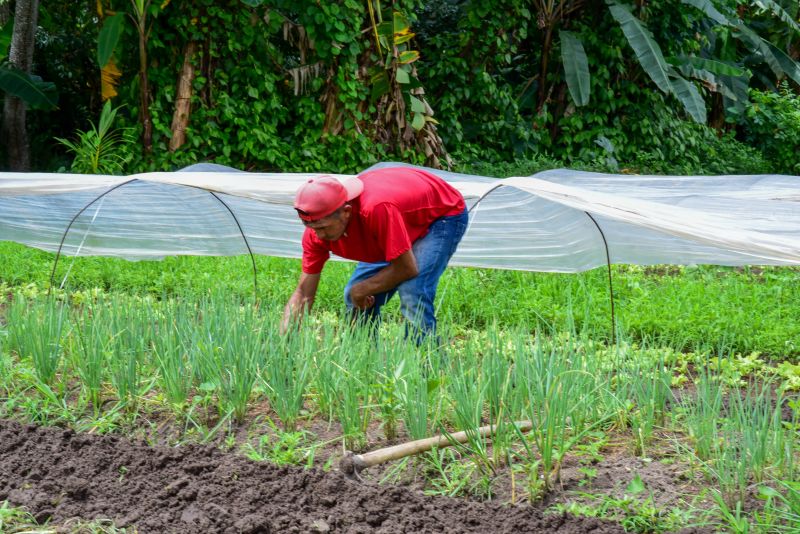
<point>336,86</point>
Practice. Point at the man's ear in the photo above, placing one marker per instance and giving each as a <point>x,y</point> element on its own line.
<point>347,209</point>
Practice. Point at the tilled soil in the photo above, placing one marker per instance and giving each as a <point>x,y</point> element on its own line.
<point>58,474</point>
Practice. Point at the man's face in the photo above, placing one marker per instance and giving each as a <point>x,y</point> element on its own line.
<point>333,226</point>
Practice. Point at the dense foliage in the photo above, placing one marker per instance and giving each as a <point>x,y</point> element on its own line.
<point>773,126</point>
<point>684,86</point>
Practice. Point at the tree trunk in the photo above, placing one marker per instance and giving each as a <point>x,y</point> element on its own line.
<point>15,134</point>
<point>716,119</point>
<point>144,90</point>
<point>183,98</point>
<point>546,46</point>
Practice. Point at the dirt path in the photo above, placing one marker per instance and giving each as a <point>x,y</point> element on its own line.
<point>59,474</point>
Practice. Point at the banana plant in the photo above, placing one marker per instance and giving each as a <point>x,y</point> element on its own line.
<point>395,87</point>
<point>719,70</point>
<point>396,72</point>
<point>107,41</point>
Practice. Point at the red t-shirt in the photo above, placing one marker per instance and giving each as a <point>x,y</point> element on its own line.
<point>395,209</point>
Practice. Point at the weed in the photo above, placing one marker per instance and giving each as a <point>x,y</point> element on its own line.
<point>589,474</point>
<point>635,514</point>
<point>447,474</point>
<point>282,448</point>
<point>781,513</point>
<point>16,520</point>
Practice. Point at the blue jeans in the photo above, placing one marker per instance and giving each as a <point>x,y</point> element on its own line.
<point>417,294</point>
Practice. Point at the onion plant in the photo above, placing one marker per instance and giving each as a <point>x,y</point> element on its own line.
<point>405,381</point>
<point>353,366</point>
<point>287,372</point>
<point>174,371</point>
<point>414,389</point>
<point>35,331</point>
<point>16,311</point>
<point>741,440</point>
<point>644,385</point>
<point>241,359</point>
<point>703,415</point>
<point>562,385</point>
<point>225,347</point>
<point>755,418</point>
<point>130,325</point>
<point>5,363</point>
<point>467,393</point>
<point>93,329</point>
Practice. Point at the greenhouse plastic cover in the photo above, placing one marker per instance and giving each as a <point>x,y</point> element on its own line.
<point>558,220</point>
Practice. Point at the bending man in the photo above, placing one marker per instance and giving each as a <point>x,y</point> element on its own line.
<point>401,224</point>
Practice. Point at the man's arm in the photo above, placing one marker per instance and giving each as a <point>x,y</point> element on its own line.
<point>301,300</point>
<point>399,270</point>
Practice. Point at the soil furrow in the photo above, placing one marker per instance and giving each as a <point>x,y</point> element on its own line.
<point>58,474</point>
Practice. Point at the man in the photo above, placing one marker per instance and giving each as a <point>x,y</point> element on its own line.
<point>401,224</point>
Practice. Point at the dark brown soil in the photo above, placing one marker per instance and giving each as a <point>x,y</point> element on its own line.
<point>58,474</point>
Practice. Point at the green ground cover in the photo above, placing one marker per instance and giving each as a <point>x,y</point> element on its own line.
<point>740,310</point>
<point>703,376</point>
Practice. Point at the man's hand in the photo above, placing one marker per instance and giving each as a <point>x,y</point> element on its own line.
<point>301,301</point>
<point>399,270</point>
<point>360,298</point>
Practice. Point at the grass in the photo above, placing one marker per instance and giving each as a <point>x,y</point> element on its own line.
<point>14,520</point>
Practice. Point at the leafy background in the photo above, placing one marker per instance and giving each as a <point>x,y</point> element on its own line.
<point>675,86</point>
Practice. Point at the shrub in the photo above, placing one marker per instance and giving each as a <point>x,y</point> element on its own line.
<point>686,148</point>
<point>772,124</point>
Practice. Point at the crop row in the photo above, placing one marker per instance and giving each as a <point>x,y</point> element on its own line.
<point>120,351</point>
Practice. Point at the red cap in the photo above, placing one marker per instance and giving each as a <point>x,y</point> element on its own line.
<point>321,196</point>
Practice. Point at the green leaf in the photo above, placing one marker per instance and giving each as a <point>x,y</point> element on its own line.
<point>380,85</point>
<point>759,46</point>
<point>605,143</point>
<point>709,78</point>
<point>108,38</point>
<point>636,486</point>
<point>735,92</point>
<point>30,89</point>
<point>409,56</point>
<point>252,3</point>
<point>401,24</point>
<point>778,11</point>
<point>416,104</point>
<point>789,66</point>
<point>433,384</point>
<point>576,68</point>
<point>207,387</point>
<point>404,38</point>
<point>418,121</point>
<point>385,29</point>
<point>5,38</point>
<point>647,50</point>
<point>402,76</point>
<point>691,99</point>
<point>721,68</point>
<point>777,60</point>
<point>765,492</point>
<point>707,7</point>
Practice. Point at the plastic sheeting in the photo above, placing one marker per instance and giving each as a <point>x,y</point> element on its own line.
<point>557,220</point>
